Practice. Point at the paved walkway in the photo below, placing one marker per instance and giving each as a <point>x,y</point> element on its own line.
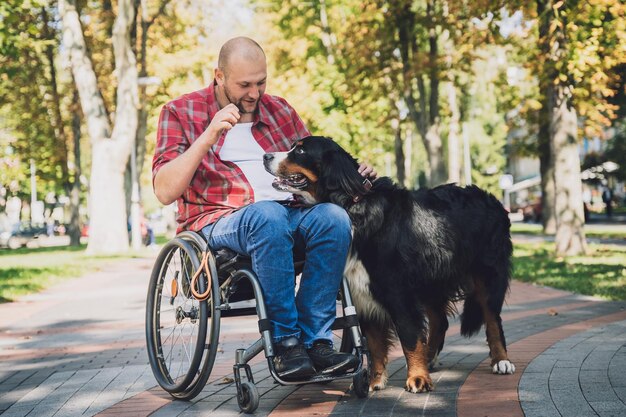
<point>78,350</point>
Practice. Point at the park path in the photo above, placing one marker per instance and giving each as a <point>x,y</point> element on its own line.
<point>78,349</point>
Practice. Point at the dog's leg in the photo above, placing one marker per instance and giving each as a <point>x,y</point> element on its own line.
<point>378,344</point>
<point>437,327</point>
<point>411,329</point>
<point>418,377</point>
<point>500,362</point>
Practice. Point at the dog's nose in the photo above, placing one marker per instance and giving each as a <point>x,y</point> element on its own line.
<point>268,157</point>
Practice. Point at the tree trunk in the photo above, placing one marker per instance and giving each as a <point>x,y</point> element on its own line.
<point>75,226</point>
<point>400,158</point>
<point>72,187</point>
<point>434,150</point>
<point>546,170</point>
<point>562,173</point>
<point>570,232</point>
<point>56,117</point>
<point>454,154</point>
<point>327,37</point>
<point>426,119</point>
<point>110,149</point>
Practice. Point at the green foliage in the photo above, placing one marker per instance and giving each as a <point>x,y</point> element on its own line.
<point>25,97</point>
<point>365,60</point>
<point>580,45</point>
<point>17,27</point>
<point>313,73</point>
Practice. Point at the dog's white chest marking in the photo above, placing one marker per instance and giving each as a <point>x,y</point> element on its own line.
<point>359,282</point>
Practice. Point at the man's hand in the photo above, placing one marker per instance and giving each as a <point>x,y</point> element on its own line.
<point>224,120</point>
<point>367,171</point>
<point>174,177</point>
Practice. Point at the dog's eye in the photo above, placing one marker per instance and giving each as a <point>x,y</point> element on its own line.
<point>298,150</point>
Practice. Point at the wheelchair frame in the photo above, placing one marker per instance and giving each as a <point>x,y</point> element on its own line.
<point>184,376</point>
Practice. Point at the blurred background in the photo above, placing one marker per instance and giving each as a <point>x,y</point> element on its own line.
<point>523,98</point>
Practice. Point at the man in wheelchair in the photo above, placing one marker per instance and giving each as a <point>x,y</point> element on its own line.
<point>208,158</point>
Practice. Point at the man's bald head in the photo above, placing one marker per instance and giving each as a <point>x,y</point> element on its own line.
<point>239,48</point>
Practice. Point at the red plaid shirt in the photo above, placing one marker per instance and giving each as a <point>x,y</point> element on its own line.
<point>218,187</point>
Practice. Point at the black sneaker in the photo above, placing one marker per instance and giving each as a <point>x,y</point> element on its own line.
<point>291,361</point>
<point>327,361</point>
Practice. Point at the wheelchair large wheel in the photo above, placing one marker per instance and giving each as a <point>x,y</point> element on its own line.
<point>213,323</point>
<point>177,325</point>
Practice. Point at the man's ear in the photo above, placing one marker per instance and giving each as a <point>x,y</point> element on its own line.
<point>219,77</point>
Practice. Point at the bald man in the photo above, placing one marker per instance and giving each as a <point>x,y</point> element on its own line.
<point>208,158</point>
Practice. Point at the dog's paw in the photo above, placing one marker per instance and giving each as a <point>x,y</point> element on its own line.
<point>419,384</point>
<point>378,382</point>
<point>503,367</point>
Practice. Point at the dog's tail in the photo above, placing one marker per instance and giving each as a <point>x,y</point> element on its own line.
<point>472,318</point>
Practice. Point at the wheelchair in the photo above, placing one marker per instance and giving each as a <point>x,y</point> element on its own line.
<point>191,288</point>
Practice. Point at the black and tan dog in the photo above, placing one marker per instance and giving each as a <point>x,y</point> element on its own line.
<point>414,254</point>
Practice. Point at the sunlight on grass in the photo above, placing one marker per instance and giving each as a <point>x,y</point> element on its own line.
<point>600,273</point>
<point>25,271</point>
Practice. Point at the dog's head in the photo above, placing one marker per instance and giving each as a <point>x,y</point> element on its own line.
<point>318,170</point>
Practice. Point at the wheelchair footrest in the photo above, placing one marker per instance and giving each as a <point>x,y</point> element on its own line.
<point>317,377</point>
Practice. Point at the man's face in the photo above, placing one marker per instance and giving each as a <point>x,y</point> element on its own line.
<point>243,82</point>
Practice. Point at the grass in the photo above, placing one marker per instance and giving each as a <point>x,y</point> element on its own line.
<point>25,271</point>
<point>601,273</point>
<point>591,230</point>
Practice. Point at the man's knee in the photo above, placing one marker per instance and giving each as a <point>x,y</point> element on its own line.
<point>266,214</point>
<point>328,216</point>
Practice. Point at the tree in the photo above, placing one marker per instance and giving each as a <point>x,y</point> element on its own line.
<point>110,145</point>
<point>31,89</point>
<point>580,44</point>
<point>574,49</point>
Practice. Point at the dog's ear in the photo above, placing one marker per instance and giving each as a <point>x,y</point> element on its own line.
<point>339,180</point>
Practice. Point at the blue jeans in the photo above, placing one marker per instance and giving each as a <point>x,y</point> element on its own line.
<point>270,232</point>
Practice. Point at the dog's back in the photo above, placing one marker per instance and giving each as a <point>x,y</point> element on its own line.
<point>483,257</point>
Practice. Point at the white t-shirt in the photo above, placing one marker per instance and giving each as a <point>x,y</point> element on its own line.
<point>242,149</point>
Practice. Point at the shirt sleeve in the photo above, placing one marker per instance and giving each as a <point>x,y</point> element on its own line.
<point>171,140</point>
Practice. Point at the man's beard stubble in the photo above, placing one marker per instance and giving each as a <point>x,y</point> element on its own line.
<point>238,103</point>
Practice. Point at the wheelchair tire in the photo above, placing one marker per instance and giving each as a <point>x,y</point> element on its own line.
<point>213,324</point>
<point>361,383</point>
<point>177,323</point>
<point>248,397</point>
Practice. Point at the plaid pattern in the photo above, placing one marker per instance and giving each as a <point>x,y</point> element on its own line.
<point>218,187</point>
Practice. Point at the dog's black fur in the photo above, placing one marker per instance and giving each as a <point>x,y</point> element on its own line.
<point>422,251</point>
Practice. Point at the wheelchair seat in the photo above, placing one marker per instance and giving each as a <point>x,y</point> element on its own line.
<point>228,262</point>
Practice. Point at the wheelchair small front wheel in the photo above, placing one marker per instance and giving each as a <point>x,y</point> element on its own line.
<point>177,323</point>
<point>248,397</point>
<point>361,383</point>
